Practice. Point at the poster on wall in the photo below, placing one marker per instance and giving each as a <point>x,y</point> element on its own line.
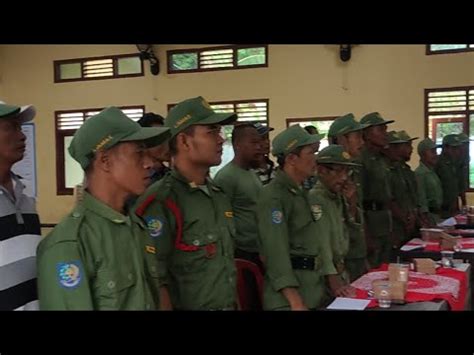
<point>26,168</point>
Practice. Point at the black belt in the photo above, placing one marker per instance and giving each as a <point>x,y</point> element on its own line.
<point>303,263</point>
<point>375,206</point>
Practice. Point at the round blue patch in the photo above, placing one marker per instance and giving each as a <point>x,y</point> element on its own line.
<point>69,274</point>
<point>155,226</point>
<point>277,216</point>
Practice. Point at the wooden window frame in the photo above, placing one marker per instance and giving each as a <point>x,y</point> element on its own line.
<point>61,188</point>
<point>467,112</point>
<point>448,51</point>
<point>198,51</point>
<point>236,102</point>
<point>57,71</point>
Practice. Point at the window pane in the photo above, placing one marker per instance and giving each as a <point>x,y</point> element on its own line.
<point>70,71</point>
<point>130,65</point>
<point>184,61</point>
<point>251,56</point>
<point>445,47</point>
<point>445,128</point>
<point>73,173</point>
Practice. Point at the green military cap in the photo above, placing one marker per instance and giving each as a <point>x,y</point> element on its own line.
<point>453,140</point>
<point>335,154</point>
<point>291,138</point>
<point>345,124</point>
<point>464,138</point>
<point>8,110</point>
<point>374,119</point>
<point>426,144</point>
<point>395,137</point>
<point>195,111</point>
<point>108,128</point>
<point>23,113</point>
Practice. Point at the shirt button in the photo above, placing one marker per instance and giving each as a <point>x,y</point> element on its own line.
<point>153,268</point>
<point>76,214</point>
<point>210,236</point>
<point>196,242</point>
<point>148,306</point>
<point>111,284</point>
<point>130,276</point>
<point>231,279</point>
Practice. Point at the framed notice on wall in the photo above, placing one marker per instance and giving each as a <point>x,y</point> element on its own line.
<point>26,168</point>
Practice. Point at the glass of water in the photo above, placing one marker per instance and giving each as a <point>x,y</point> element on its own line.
<point>382,293</point>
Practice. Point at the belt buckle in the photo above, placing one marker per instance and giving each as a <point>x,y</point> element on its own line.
<point>316,262</point>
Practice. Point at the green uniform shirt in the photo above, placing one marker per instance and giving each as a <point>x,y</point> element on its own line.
<point>243,188</point>
<point>98,259</point>
<point>336,238</point>
<point>448,175</point>
<point>463,174</point>
<point>377,193</point>
<point>358,245</point>
<point>193,229</point>
<point>430,192</point>
<point>288,226</point>
<point>404,194</point>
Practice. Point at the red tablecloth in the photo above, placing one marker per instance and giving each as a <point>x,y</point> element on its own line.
<point>464,243</point>
<point>448,284</point>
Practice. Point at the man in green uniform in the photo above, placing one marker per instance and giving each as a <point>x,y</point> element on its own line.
<point>448,174</point>
<point>333,165</point>
<point>290,239</point>
<point>430,192</point>
<point>190,217</point>
<point>101,257</point>
<point>266,168</point>
<point>347,132</point>
<point>242,186</point>
<point>376,189</point>
<point>404,204</point>
<point>311,181</point>
<point>463,168</point>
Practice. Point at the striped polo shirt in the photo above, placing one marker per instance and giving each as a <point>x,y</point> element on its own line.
<point>19,238</point>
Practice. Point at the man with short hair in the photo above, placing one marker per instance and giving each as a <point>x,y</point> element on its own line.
<point>19,222</point>
<point>266,167</point>
<point>243,188</point>
<point>159,154</point>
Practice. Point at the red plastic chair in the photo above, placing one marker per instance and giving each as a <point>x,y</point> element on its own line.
<point>242,288</point>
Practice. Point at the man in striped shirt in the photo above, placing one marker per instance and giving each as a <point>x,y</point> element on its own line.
<point>19,222</point>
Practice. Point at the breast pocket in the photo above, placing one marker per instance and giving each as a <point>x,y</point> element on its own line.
<point>198,250</point>
<point>113,288</point>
